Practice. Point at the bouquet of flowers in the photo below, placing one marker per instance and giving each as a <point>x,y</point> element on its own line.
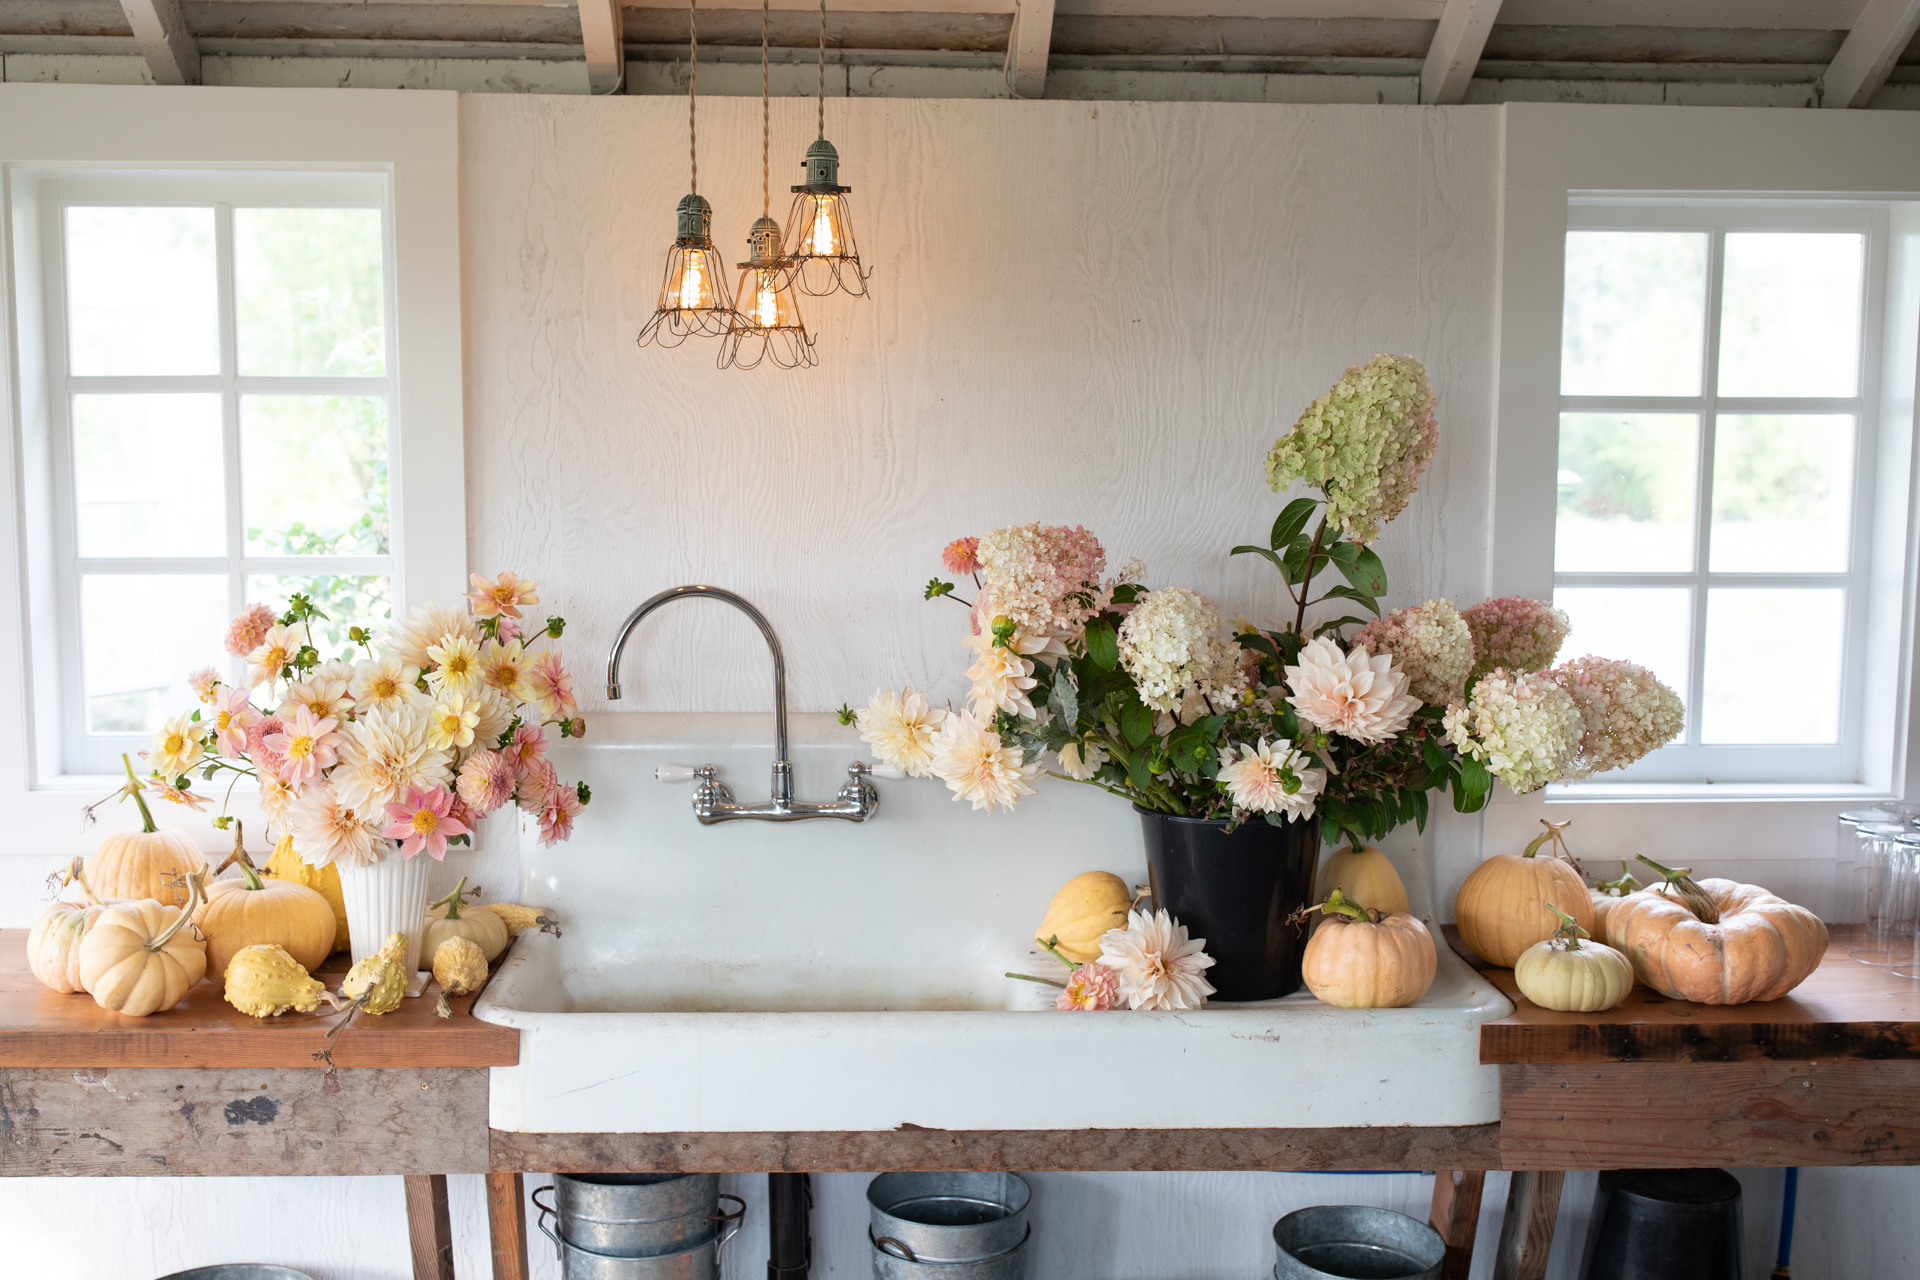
<point>441,724</point>
<point>1352,720</point>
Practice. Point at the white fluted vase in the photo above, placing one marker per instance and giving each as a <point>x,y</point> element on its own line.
<point>388,897</point>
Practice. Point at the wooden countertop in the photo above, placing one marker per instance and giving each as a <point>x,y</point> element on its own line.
<point>1844,1011</point>
<point>42,1028</point>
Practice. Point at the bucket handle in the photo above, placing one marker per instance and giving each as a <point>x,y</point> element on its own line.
<point>546,1211</point>
<point>905,1254</point>
<point>729,1225</point>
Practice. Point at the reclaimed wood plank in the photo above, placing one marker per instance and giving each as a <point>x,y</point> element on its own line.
<point>429,1226</point>
<point>240,1122</point>
<point>1456,1216</point>
<point>1385,1147</point>
<point>507,1225</point>
<point>42,1028</point>
<point>1844,1011</point>
<point>1690,1115</point>
<point>1526,1232</point>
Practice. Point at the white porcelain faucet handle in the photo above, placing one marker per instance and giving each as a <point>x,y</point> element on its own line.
<point>675,773</point>
<point>893,773</point>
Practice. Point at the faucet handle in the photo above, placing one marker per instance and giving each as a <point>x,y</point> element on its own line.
<point>677,773</point>
<point>891,773</point>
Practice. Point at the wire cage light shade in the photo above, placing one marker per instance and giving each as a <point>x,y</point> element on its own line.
<point>693,293</point>
<point>767,325</point>
<point>819,238</point>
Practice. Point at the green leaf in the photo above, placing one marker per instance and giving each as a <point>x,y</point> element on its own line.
<point>1361,567</point>
<point>1136,722</point>
<point>1128,592</point>
<point>1471,786</point>
<point>1355,594</point>
<point>1294,568</point>
<point>1259,644</point>
<point>1329,831</point>
<point>1103,645</point>
<point>1420,810</point>
<point>1064,702</point>
<point>1292,519</point>
<point>1433,755</point>
<point>1138,771</point>
<point>1261,551</point>
<point>1335,624</point>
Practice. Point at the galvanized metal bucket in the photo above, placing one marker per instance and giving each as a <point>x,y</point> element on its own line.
<point>893,1260</point>
<point>239,1271</point>
<point>634,1215</point>
<point>1355,1242</point>
<point>949,1217</point>
<point>700,1261</point>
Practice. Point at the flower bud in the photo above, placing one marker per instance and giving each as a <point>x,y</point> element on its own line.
<point>578,729</point>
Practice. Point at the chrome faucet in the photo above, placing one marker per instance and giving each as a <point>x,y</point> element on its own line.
<point>713,800</point>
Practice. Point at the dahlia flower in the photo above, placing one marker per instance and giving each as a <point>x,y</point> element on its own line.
<point>383,681</point>
<point>528,748</point>
<point>1044,577</point>
<point>550,685</point>
<point>1523,726</point>
<point>536,784</point>
<point>248,628</point>
<point>961,556</point>
<point>1430,642</point>
<point>1157,965</point>
<point>1515,632</point>
<point>203,682</point>
<point>496,713</point>
<point>506,666</point>
<point>450,722</point>
<point>456,666</point>
<point>900,728</point>
<point>325,830</point>
<point>1001,675</point>
<point>276,799</point>
<point>423,822</point>
<point>486,781</point>
<point>385,754</point>
<point>1081,760</point>
<point>1363,444</point>
<point>1171,641</point>
<point>1258,780</point>
<point>557,815</point>
<point>501,596</point>
<point>1091,988</point>
<point>1353,694</point>
<point>1625,710</point>
<point>322,693</point>
<point>306,742</point>
<point>176,747</point>
<point>971,759</point>
<point>177,795</point>
<point>266,761</point>
<point>426,626</point>
<point>232,716</point>
<point>274,653</point>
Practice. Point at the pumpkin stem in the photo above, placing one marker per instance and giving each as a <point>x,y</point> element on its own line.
<point>134,788</point>
<point>455,900</point>
<point>1337,904</point>
<point>1691,895</point>
<point>77,874</point>
<point>1052,943</point>
<point>1568,935</point>
<point>196,894</point>
<point>1626,884</point>
<point>239,858</point>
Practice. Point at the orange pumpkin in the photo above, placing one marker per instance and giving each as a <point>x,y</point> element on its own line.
<point>152,862</point>
<point>1503,908</point>
<point>1715,941</point>
<point>1361,959</point>
<point>251,910</point>
<point>1604,895</point>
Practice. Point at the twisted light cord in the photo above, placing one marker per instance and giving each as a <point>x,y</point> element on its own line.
<point>822,99</point>
<point>693,83</point>
<point>766,119</point>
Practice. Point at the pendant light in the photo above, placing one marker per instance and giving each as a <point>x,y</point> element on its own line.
<point>767,325</point>
<point>820,241</point>
<point>693,294</point>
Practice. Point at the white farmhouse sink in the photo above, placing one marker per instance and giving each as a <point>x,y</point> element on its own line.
<point>829,975</point>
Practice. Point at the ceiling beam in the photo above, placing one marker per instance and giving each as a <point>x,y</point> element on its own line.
<point>161,32</point>
<point>1455,52</point>
<point>601,31</point>
<point>1875,43</point>
<point>1027,47</point>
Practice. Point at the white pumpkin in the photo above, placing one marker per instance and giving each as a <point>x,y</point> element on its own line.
<point>1570,973</point>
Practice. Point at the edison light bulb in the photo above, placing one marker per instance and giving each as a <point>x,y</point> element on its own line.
<point>766,309</point>
<point>822,230</point>
<point>692,283</point>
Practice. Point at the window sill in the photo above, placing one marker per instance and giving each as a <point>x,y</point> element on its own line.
<point>1695,792</point>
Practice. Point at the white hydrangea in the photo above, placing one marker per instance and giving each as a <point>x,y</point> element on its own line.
<point>1171,642</point>
<point>1524,728</point>
<point>1431,643</point>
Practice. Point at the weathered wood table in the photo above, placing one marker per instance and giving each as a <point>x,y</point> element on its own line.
<point>1828,1076</point>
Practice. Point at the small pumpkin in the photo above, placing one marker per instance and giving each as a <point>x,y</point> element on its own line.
<point>379,983</point>
<point>1715,941</point>
<point>519,919</point>
<point>459,966</point>
<point>240,913</point>
<point>152,862</point>
<point>1572,976</point>
<point>53,944</point>
<point>1081,913</point>
<point>483,928</point>
<point>1604,895</point>
<point>1502,908</point>
<point>286,864</point>
<point>1363,874</point>
<point>1363,959</point>
<point>140,957</point>
<point>264,981</point>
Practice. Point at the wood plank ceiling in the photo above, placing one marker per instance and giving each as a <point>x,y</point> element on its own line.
<point>1843,50</point>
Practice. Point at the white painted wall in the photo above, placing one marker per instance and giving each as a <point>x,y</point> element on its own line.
<point>1084,313</point>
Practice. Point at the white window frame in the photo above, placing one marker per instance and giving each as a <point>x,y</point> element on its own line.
<point>407,140</point>
<point>1688,760</point>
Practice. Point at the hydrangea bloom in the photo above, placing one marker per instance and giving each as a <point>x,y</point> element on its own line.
<point>1170,641</point>
<point>1518,633</point>
<point>1431,643</point>
<point>1363,444</point>
<point>1046,578</point>
<point>1626,710</point>
<point>1354,694</point>
<point>1257,781</point>
<point>1523,726</point>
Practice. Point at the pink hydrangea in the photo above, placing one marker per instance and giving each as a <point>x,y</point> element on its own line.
<point>1046,578</point>
<point>248,628</point>
<point>1625,710</point>
<point>1090,988</point>
<point>1430,642</point>
<point>962,555</point>
<point>1518,633</point>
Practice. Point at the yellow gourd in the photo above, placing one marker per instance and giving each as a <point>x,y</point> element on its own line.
<point>380,981</point>
<point>1361,959</point>
<point>263,981</point>
<point>484,929</point>
<point>53,944</point>
<point>1571,976</point>
<point>240,913</point>
<point>140,957</point>
<point>1085,908</point>
<point>519,919</point>
<point>152,862</point>
<point>1363,874</point>
<point>459,966</point>
<point>285,864</point>
<point>1502,908</point>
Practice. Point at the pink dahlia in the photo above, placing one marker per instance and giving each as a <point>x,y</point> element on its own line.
<point>233,715</point>
<point>535,784</point>
<point>503,595</point>
<point>305,744</point>
<point>1354,694</point>
<point>1091,987</point>
<point>248,628</point>
<point>962,555</point>
<point>557,814</point>
<point>1518,633</point>
<point>527,749</point>
<point>424,822</point>
<point>552,686</point>
<point>265,759</point>
<point>486,781</point>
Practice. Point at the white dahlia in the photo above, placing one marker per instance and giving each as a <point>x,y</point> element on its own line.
<point>1353,694</point>
<point>384,754</point>
<point>970,758</point>
<point>1258,780</point>
<point>326,830</point>
<point>426,626</point>
<point>900,728</point>
<point>1001,674</point>
<point>1159,967</point>
<point>1081,760</point>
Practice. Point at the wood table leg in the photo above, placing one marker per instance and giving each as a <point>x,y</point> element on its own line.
<point>429,1227</point>
<point>1456,1216</point>
<point>1533,1203</point>
<point>507,1225</point>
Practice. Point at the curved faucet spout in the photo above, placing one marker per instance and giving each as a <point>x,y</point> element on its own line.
<point>782,769</point>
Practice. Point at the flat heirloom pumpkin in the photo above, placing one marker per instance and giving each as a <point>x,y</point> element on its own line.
<point>140,957</point>
<point>1360,959</point>
<point>1715,941</point>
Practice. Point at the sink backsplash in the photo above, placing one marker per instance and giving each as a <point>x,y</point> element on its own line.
<point>926,905</point>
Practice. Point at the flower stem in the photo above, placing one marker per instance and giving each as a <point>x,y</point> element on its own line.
<point>134,788</point>
<point>1052,945</point>
<point>1045,982</point>
<point>1306,579</point>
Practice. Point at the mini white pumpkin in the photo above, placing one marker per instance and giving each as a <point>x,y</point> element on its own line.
<point>1569,975</point>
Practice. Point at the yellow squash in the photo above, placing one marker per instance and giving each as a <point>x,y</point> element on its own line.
<point>285,864</point>
<point>459,966</point>
<point>263,981</point>
<point>1085,908</point>
<point>1363,874</point>
<point>519,919</point>
<point>140,957</point>
<point>380,981</point>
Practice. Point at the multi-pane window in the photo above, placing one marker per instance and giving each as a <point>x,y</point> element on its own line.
<point>1715,443</point>
<point>219,371</point>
